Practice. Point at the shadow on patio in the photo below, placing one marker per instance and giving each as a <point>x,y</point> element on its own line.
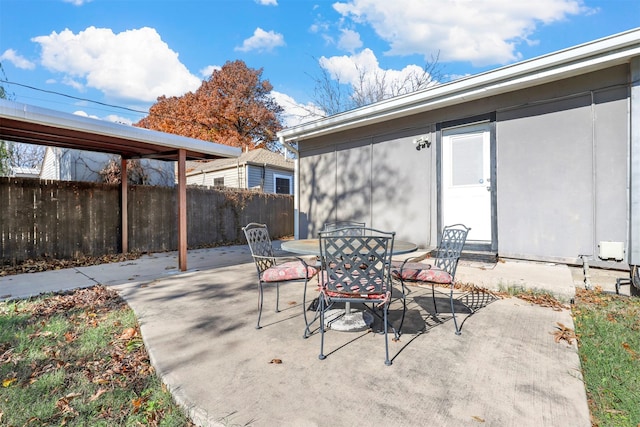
<point>505,368</point>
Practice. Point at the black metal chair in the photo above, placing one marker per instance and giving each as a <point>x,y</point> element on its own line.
<point>272,268</point>
<point>443,268</point>
<point>356,268</point>
<point>346,227</point>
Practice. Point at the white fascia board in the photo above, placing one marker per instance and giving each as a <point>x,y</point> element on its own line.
<point>61,120</point>
<point>578,60</point>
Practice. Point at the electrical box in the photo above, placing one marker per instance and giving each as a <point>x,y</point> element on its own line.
<point>611,250</point>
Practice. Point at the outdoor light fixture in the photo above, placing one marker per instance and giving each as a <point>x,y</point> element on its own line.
<point>422,142</point>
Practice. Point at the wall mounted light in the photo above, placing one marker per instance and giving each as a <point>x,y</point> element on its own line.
<point>422,142</point>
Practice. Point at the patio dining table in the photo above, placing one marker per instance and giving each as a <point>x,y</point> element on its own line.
<point>346,320</point>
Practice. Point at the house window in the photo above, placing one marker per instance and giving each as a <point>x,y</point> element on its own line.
<point>282,184</point>
<point>218,182</point>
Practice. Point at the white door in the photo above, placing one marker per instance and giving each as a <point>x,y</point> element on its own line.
<point>466,180</point>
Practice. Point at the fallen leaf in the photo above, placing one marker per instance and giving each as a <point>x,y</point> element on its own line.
<point>276,361</point>
<point>634,354</point>
<point>98,393</point>
<point>127,334</point>
<point>69,337</point>
<point>478,419</point>
<point>8,381</point>
<point>564,333</point>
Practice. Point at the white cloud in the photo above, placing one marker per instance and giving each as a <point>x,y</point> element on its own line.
<point>267,2</point>
<point>262,41</point>
<point>207,71</point>
<point>131,65</point>
<point>109,118</point>
<point>295,113</point>
<point>364,68</point>
<point>85,114</point>
<point>482,32</point>
<point>349,41</point>
<point>17,60</point>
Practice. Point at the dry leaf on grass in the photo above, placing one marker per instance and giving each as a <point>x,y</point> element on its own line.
<point>97,394</point>
<point>564,333</point>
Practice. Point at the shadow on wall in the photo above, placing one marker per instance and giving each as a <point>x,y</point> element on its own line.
<point>342,185</point>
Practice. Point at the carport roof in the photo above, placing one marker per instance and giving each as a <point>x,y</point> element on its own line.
<point>35,125</point>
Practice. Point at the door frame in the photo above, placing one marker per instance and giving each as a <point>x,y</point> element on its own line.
<point>490,120</point>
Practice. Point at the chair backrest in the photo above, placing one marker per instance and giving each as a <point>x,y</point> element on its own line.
<point>357,264</point>
<point>450,247</point>
<point>260,245</point>
<point>347,228</point>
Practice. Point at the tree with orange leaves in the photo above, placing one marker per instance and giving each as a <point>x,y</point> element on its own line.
<point>233,107</point>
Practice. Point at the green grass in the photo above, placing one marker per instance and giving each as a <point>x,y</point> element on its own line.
<point>608,330</point>
<point>78,360</point>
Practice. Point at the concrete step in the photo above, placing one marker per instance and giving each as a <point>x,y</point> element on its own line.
<point>479,256</point>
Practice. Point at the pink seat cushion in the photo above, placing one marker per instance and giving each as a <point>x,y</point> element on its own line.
<point>419,272</point>
<point>292,270</point>
<point>353,289</point>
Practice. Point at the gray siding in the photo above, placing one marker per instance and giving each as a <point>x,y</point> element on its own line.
<point>263,177</point>
<point>233,178</point>
<point>561,170</point>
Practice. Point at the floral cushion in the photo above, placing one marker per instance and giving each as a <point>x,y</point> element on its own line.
<point>335,287</point>
<point>420,272</point>
<point>292,270</point>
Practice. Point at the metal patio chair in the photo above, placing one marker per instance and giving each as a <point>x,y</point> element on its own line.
<point>272,268</point>
<point>356,268</point>
<point>441,271</point>
<point>345,227</point>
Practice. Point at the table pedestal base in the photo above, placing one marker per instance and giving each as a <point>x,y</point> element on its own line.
<point>353,321</point>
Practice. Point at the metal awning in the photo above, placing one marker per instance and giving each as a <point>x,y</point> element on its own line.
<point>35,125</point>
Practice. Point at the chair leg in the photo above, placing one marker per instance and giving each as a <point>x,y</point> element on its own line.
<point>433,296</point>
<point>307,330</point>
<point>404,308</point>
<point>260,299</point>
<point>277,297</point>
<point>321,304</point>
<point>387,361</point>
<point>453,313</point>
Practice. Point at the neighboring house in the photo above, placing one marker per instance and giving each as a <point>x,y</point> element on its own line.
<point>257,169</point>
<point>540,158</point>
<point>67,164</point>
<point>24,172</point>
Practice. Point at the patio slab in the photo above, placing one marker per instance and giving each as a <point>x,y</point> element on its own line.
<point>504,369</point>
<point>199,328</point>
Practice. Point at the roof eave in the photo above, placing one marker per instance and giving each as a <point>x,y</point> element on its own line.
<point>589,57</point>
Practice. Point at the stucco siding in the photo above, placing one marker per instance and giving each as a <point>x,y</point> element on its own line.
<point>317,190</point>
<point>403,191</point>
<point>383,181</point>
<point>610,180</point>
<point>561,170</point>
<point>544,180</point>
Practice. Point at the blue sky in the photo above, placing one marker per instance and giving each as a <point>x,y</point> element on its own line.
<point>127,53</point>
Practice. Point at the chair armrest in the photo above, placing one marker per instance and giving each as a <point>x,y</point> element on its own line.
<point>414,259</point>
<point>285,258</point>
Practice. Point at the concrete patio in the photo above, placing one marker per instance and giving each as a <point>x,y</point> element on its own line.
<point>199,328</point>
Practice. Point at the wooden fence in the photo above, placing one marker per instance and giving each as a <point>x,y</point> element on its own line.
<point>66,220</point>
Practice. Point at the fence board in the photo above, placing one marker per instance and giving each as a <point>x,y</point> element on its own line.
<point>64,219</point>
